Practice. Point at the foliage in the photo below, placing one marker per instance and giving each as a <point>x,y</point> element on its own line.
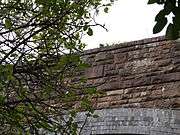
<point>170,6</point>
<point>40,43</point>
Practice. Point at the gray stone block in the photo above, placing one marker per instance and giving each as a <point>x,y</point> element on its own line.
<point>134,121</point>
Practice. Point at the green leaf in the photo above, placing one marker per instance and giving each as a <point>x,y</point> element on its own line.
<point>85,27</point>
<point>160,1</point>
<point>152,1</point>
<point>8,23</point>
<point>83,66</point>
<point>106,9</point>
<point>2,99</point>
<point>90,32</point>
<point>176,21</point>
<point>73,113</point>
<point>156,1</point>
<point>169,5</point>
<point>172,33</point>
<point>91,91</point>
<point>159,25</point>
<point>160,15</point>
<point>45,125</point>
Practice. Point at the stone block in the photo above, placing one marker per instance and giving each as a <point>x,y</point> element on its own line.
<point>103,105</point>
<point>109,86</point>
<point>115,92</point>
<point>120,58</point>
<point>176,103</point>
<point>118,103</point>
<point>103,56</point>
<point>95,72</point>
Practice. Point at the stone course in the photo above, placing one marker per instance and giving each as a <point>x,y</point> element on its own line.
<point>132,121</point>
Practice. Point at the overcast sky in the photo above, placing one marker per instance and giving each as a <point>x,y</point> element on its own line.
<point>126,21</point>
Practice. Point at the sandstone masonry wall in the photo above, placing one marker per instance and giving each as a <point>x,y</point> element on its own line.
<point>144,73</point>
<point>141,85</point>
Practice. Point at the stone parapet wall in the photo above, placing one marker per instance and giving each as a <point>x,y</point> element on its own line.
<point>144,73</point>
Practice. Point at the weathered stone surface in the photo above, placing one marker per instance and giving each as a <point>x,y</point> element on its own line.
<point>95,72</point>
<point>143,73</point>
<point>135,77</point>
<point>116,92</point>
<point>103,56</point>
<point>132,121</point>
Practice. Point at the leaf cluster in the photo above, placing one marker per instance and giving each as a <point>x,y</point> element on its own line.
<point>170,6</point>
<point>40,47</point>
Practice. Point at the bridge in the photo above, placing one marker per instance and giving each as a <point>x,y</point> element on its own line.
<point>141,85</point>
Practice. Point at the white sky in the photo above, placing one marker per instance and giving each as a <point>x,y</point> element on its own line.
<point>127,20</point>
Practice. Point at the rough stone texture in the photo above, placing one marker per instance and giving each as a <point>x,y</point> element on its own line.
<point>132,121</point>
<point>143,73</point>
<point>141,85</point>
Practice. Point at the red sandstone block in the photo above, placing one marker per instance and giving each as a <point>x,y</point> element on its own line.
<point>120,58</point>
<point>103,105</point>
<point>176,103</point>
<point>118,103</point>
<point>115,92</point>
<point>135,100</point>
<point>95,72</point>
<point>101,56</point>
<point>109,86</point>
